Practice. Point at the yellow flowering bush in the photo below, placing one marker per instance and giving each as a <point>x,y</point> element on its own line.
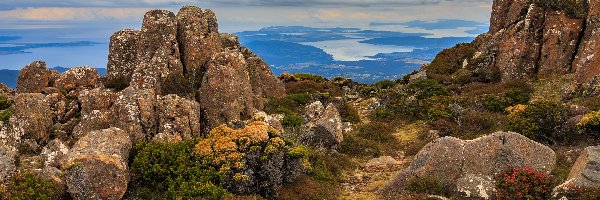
<point>590,122</point>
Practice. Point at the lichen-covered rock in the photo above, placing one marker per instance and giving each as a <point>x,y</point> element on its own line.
<point>518,50</point>
<point>326,131</point>
<point>264,83</point>
<point>561,37</point>
<point>122,56</point>
<point>96,166</point>
<point>7,161</point>
<point>505,12</point>
<point>158,51</point>
<point>77,77</point>
<point>5,89</point>
<point>96,112</point>
<point>31,122</point>
<point>134,112</point>
<point>179,118</point>
<point>471,165</point>
<point>196,31</point>
<point>226,93</point>
<point>53,153</point>
<point>586,170</point>
<point>313,111</point>
<point>34,77</point>
<point>587,62</point>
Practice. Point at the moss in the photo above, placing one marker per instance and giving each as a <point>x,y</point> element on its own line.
<point>6,114</point>
<point>427,185</point>
<point>27,186</point>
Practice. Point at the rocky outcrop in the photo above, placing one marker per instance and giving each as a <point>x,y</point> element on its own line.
<point>197,33</point>
<point>96,166</point>
<point>586,170</point>
<point>471,165</point>
<point>30,125</point>
<point>7,162</point>
<point>587,63</point>
<point>531,41</point>
<point>122,56</point>
<point>325,128</point>
<point>34,78</point>
<point>179,118</point>
<point>78,77</point>
<point>226,93</point>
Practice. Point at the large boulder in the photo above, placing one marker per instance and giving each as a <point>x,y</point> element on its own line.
<point>34,77</point>
<point>561,37</point>
<point>471,165</point>
<point>326,130</point>
<point>78,77</point>
<point>265,84</point>
<point>179,118</point>
<point>31,123</point>
<point>134,112</point>
<point>122,56</point>
<point>587,63</point>
<point>96,166</point>
<point>7,162</point>
<point>586,170</point>
<point>96,112</point>
<point>226,92</point>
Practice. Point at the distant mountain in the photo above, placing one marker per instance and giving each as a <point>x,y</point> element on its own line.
<point>419,42</point>
<point>18,48</point>
<point>9,77</point>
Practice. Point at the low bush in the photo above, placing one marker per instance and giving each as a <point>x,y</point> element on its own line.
<point>384,84</point>
<point>541,121</point>
<point>358,146</point>
<point>499,103</point>
<point>286,78</point>
<point>312,87</point>
<point>291,119</point>
<point>370,140</point>
<point>26,186</point>
<point>347,112</point>
<point>6,114</point>
<point>427,88</point>
<point>4,103</point>
<point>427,185</point>
<point>573,8</point>
<point>524,183</point>
<point>449,61</point>
<point>591,123</point>
<point>293,102</point>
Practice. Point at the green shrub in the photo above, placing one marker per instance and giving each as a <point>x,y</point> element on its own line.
<point>358,146</point>
<point>542,121</point>
<point>312,87</point>
<point>291,119</point>
<point>427,88</point>
<point>293,102</point>
<point>28,187</point>
<point>176,169</point>
<point>376,131</point>
<point>347,112</point>
<point>524,183</point>
<point>427,185</point>
<point>4,103</point>
<point>286,78</point>
<point>573,8</point>
<point>385,84</point>
<point>449,61</point>
<point>499,103</point>
<point>6,114</point>
<point>437,107</point>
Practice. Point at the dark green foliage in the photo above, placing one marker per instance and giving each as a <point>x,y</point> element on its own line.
<point>175,169</point>
<point>329,166</point>
<point>427,88</point>
<point>358,146</point>
<point>542,121</point>
<point>449,61</point>
<point>291,119</point>
<point>376,131</point>
<point>370,140</point>
<point>286,78</point>
<point>313,87</point>
<point>347,112</point>
<point>512,97</point>
<point>294,103</point>
<point>6,114</point>
<point>28,187</point>
<point>4,103</point>
<point>573,8</point>
<point>427,185</point>
<point>385,84</point>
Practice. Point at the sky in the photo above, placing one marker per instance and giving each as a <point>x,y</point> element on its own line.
<point>48,21</point>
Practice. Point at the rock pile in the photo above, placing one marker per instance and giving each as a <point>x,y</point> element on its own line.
<point>86,125</point>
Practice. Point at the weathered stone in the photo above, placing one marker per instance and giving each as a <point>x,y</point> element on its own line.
<point>586,170</point>
<point>383,163</point>
<point>7,161</point>
<point>96,166</point>
<point>226,93</point>
<point>5,89</point>
<point>78,77</point>
<point>196,30</point>
<point>179,118</point>
<point>96,112</point>
<point>471,165</point>
<point>326,131</point>
<point>587,64</point>
<point>53,153</point>
<point>505,13</point>
<point>31,121</point>
<point>519,48</point>
<point>313,111</point>
<point>34,77</point>
<point>158,51</point>
<point>264,83</point>
<point>561,37</point>
<point>135,113</point>
<point>273,120</point>
<point>122,56</point>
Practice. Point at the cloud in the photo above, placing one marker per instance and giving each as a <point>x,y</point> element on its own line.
<point>10,4</point>
<point>338,3</point>
<point>68,14</point>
